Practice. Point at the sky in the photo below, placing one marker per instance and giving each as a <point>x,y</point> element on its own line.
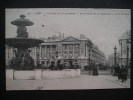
<point>103,26</point>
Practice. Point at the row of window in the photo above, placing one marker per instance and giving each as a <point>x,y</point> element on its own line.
<point>47,62</point>
<point>70,47</point>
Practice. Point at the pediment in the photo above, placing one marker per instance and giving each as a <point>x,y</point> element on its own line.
<point>70,39</point>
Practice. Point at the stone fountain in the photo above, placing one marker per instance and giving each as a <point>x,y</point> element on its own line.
<point>22,59</point>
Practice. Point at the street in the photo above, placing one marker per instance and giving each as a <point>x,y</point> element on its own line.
<point>85,81</point>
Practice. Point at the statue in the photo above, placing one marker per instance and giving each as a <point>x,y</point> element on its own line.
<point>23,61</point>
<point>22,31</point>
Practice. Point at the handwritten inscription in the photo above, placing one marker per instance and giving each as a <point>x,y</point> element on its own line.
<point>81,13</point>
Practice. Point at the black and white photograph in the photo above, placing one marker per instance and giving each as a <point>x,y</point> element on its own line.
<point>67,48</point>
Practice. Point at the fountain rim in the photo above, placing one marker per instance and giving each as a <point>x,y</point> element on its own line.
<point>26,42</point>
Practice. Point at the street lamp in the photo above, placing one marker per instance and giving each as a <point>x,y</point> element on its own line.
<point>115,60</point>
<point>115,56</point>
<point>89,57</point>
<point>127,51</point>
<point>121,50</point>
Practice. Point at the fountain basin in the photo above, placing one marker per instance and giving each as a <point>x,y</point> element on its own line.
<point>23,42</point>
<point>9,74</point>
<point>26,75</point>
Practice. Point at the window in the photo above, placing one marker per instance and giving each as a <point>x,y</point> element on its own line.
<point>43,62</point>
<point>37,55</point>
<point>47,62</point>
<point>77,46</point>
<point>70,52</point>
<point>37,62</point>
<point>65,52</point>
<point>65,47</point>
<point>65,56</point>
<point>71,47</point>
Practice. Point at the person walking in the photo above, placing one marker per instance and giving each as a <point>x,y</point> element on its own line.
<point>115,71</point>
<point>118,72</point>
<point>112,69</point>
<point>76,66</point>
<point>95,70</point>
<point>123,73</point>
<point>59,65</point>
<point>52,64</point>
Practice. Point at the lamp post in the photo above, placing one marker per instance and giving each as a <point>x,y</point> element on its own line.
<point>115,60</point>
<point>127,51</point>
<point>115,56</point>
<point>121,51</point>
<point>89,57</point>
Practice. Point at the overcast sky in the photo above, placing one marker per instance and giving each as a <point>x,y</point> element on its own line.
<point>103,26</point>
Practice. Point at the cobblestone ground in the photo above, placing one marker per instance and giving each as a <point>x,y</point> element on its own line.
<point>85,81</point>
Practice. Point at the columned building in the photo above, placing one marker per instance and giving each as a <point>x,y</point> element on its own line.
<point>69,50</point>
<point>125,48</point>
<point>9,54</point>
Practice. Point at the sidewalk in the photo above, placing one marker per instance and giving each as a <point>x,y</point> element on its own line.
<point>104,72</point>
<point>82,82</point>
<point>125,84</point>
<point>100,72</point>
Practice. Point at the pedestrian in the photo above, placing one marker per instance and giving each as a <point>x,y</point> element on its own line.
<point>76,66</point>
<point>123,73</point>
<point>85,67</point>
<point>52,64</point>
<point>115,70</point>
<point>59,65</point>
<point>64,66</point>
<point>126,72</point>
<point>95,70</point>
<point>72,66</point>
<point>89,67</point>
<point>118,71</point>
<point>43,66</point>
<point>112,69</point>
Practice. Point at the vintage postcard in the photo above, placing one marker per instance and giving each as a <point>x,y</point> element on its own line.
<point>67,48</point>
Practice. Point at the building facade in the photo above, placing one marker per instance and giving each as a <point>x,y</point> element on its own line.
<point>69,50</point>
<point>125,49</point>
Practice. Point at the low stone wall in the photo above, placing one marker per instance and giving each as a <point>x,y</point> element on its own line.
<point>42,74</point>
<point>9,73</point>
<point>66,73</point>
<point>24,75</point>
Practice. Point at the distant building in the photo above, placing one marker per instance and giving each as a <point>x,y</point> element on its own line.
<point>69,50</point>
<point>124,42</point>
<point>111,59</point>
<point>97,56</point>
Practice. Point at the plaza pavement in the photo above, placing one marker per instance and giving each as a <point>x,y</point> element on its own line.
<point>85,81</point>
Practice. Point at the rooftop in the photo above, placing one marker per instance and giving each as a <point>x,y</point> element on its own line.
<point>126,35</point>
